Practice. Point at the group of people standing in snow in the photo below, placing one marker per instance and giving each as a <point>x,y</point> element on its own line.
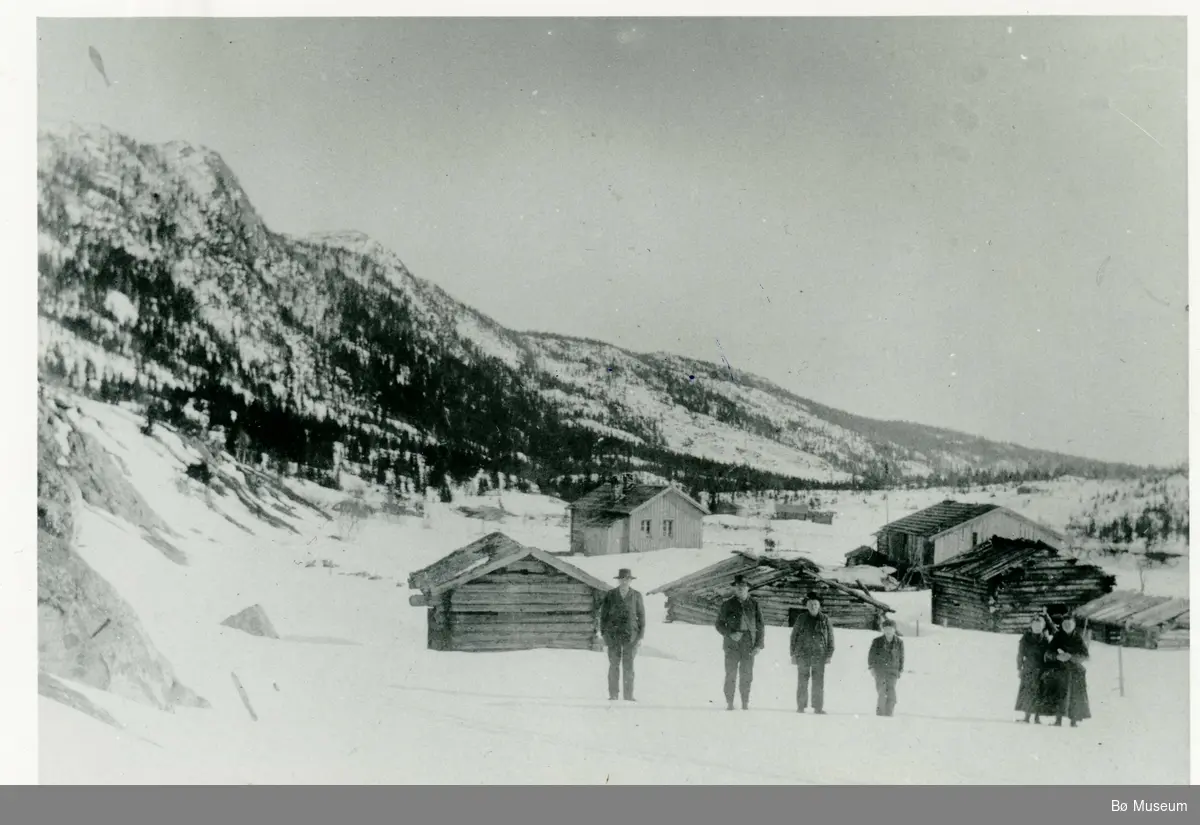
<point>1051,662</point>
<point>811,646</point>
<point>1051,654</point>
<point>740,623</point>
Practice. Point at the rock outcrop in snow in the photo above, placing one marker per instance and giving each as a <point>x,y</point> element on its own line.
<point>252,620</point>
<point>105,485</point>
<point>52,688</point>
<point>86,631</point>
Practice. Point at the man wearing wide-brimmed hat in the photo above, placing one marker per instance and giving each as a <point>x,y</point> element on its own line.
<point>740,621</point>
<point>811,649</point>
<point>622,626</point>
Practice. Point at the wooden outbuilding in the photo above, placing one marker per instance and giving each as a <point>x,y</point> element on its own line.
<point>727,508</point>
<point>627,517</point>
<point>1003,583</point>
<point>945,530</point>
<point>498,594</point>
<point>794,511</point>
<point>1131,619</point>
<point>780,586</point>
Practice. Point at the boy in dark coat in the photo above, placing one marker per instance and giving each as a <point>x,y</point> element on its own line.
<point>811,649</point>
<point>885,660</point>
<point>1066,674</point>
<point>740,621</point>
<point>622,626</point>
<point>1031,663</point>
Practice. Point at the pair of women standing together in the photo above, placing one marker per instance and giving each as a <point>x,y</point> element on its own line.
<point>1052,665</point>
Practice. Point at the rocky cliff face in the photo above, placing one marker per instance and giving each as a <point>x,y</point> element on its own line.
<point>86,631</point>
<point>159,282</point>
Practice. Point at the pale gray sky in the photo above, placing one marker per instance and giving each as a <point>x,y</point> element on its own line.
<point>976,223</point>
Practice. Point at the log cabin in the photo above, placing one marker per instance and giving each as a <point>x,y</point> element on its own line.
<point>1131,619</point>
<point>497,594</point>
<point>935,534</point>
<point>626,517</point>
<point>780,586</point>
<point>1003,583</point>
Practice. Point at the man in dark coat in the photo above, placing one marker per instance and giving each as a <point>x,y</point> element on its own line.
<point>622,626</point>
<point>1066,674</point>
<point>811,649</point>
<point>740,621</point>
<point>885,660</point>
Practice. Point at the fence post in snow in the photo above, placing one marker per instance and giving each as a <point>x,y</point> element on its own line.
<point>1121,660</point>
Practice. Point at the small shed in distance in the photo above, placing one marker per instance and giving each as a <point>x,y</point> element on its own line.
<point>1138,620</point>
<point>498,594</point>
<point>866,554</point>
<point>779,585</point>
<point>1003,583</point>
<point>727,508</point>
<point>792,511</point>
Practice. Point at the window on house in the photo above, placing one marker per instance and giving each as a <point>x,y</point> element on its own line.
<point>668,528</point>
<point>974,539</point>
<point>646,527</point>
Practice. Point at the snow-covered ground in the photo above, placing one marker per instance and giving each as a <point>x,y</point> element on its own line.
<point>351,695</point>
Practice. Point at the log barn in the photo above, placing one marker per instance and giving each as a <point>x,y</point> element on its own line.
<point>935,534</point>
<point>1003,583</point>
<point>779,585</point>
<point>498,594</point>
<point>1124,617</point>
<point>625,517</point>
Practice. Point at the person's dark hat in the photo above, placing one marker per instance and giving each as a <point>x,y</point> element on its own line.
<point>887,623</point>
<point>625,573</point>
<point>739,579</point>
<point>812,596</point>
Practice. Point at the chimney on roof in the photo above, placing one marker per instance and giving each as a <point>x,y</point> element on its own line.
<point>619,488</point>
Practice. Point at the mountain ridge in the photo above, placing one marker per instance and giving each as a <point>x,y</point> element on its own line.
<point>329,337</point>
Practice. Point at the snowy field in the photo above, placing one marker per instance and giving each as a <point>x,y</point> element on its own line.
<point>350,695</point>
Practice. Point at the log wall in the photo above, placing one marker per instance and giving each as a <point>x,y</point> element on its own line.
<point>776,603</point>
<point>525,605</point>
<point>1009,605</point>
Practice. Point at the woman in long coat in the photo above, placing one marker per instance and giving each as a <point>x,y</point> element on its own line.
<point>1031,663</point>
<point>1066,674</point>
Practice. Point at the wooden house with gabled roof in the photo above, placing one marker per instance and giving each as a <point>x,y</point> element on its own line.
<point>1003,583</point>
<point>498,594</point>
<point>780,586</point>
<point>935,534</point>
<point>626,517</point>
